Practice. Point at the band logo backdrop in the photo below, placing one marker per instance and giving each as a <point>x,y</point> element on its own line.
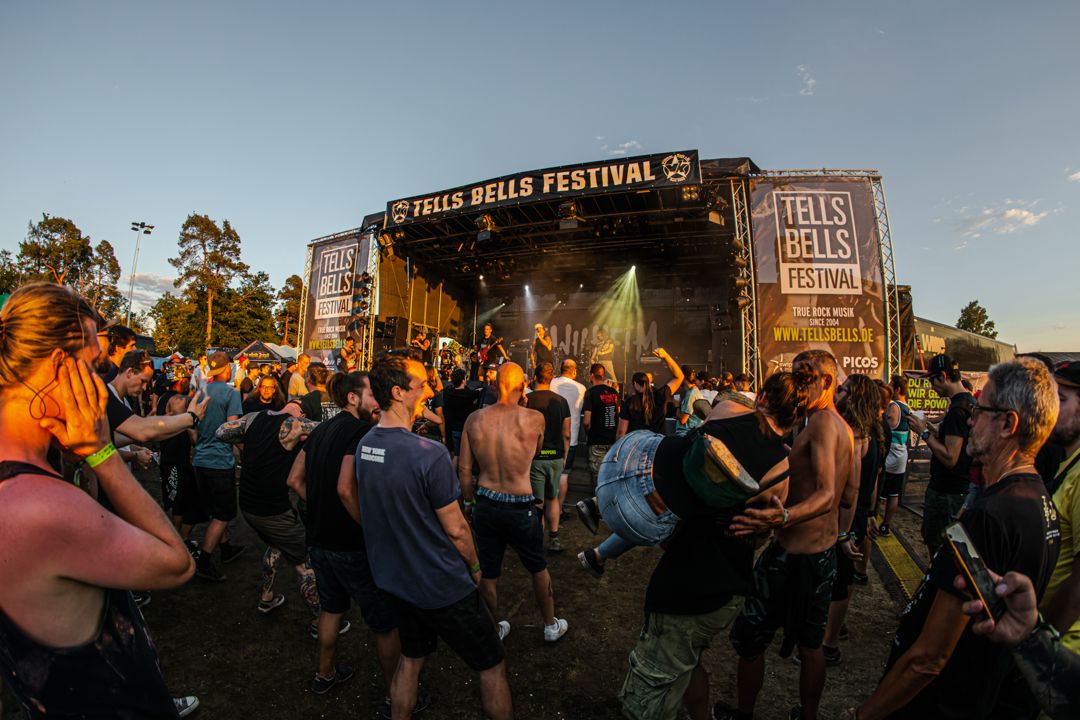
<point>633,173</point>
<point>329,291</point>
<point>817,260</point>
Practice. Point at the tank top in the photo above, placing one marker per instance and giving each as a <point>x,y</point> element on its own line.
<point>114,675</point>
<point>897,457</point>
<point>263,488</point>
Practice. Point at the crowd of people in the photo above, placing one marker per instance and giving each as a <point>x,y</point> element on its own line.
<point>399,488</point>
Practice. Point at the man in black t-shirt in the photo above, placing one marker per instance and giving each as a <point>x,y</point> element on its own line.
<point>335,539</point>
<point>601,417</point>
<point>938,667</point>
<point>458,402</point>
<point>950,464</point>
<point>547,466</point>
<point>271,441</point>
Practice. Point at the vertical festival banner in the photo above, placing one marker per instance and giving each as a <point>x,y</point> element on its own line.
<point>817,259</point>
<point>329,294</point>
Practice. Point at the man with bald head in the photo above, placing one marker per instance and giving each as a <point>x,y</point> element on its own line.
<point>502,439</point>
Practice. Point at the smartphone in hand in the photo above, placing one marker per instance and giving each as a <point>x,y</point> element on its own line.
<point>971,565</point>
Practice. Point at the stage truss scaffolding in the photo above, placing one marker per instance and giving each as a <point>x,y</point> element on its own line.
<point>367,341</point>
<point>744,249</point>
<point>303,301</point>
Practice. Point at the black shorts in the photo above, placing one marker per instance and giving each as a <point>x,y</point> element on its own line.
<point>466,627</point>
<point>498,524</point>
<point>892,485</point>
<point>217,492</point>
<point>845,576</point>
<point>342,576</point>
<point>568,463</point>
<point>791,592</point>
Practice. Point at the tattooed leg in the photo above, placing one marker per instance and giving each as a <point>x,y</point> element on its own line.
<point>270,561</point>
<point>308,589</point>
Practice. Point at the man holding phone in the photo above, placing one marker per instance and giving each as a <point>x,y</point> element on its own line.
<point>938,667</point>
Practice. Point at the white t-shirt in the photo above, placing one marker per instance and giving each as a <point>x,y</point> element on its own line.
<point>574,392</point>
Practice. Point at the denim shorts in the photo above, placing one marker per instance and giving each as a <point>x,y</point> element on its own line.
<point>625,478</point>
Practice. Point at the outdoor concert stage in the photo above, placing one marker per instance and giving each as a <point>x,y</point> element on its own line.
<point>656,250</point>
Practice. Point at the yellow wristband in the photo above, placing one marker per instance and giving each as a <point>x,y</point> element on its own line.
<point>474,568</point>
<point>101,455</point>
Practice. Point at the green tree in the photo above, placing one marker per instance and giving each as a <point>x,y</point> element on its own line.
<point>208,262</point>
<point>974,318</point>
<point>246,313</point>
<point>287,317</point>
<point>55,249</point>
<point>10,277</point>
<point>177,325</point>
<point>100,282</point>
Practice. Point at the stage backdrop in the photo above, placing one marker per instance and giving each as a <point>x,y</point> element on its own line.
<point>818,264</point>
<point>329,294</point>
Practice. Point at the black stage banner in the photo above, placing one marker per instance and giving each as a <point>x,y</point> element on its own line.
<point>633,173</point>
<point>817,259</point>
<point>329,294</point>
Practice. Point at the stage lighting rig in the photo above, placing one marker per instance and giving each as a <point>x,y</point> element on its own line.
<point>691,193</point>
<point>485,224</point>
<point>568,215</point>
<point>742,300</point>
<point>361,294</point>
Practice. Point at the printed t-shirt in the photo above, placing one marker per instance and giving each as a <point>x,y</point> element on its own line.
<point>954,480</point>
<point>402,479</point>
<point>574,392</point>
<point>555,410</point>
<point>603,403</point>
<point>210,452</point>
<point>1014,527</point>
<point>329,525</point>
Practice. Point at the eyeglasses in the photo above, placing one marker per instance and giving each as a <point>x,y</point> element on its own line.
<point>977,408</point>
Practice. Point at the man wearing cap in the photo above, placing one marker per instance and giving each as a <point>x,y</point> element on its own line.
<point>950,463</point>
<point>214,466</point>
<point>541,351</point>
<point>1061,604</point>
<point>490,396</point>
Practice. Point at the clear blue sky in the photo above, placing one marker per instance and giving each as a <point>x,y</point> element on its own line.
<point>294,120</point>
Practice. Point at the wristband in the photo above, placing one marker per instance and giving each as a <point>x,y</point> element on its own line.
<point>470,503</point>
<point>101,455</point>
<point>474,568</point>
<point>842,537</point>
<point>785,517</point>
<point>194,420</point>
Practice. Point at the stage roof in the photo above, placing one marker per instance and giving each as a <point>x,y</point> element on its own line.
<point>680,231</point>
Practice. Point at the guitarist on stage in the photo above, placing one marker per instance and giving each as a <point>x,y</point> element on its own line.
<point>490,348</point>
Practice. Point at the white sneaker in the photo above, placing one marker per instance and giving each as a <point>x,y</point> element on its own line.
<point>504,629</point>
<point>185,705</point>
<point>556,631</point>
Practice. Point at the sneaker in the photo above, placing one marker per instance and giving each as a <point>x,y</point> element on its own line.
<point>313,628</point>
<point>231,552</point>
<point>722,711</point>
<point>142,599</point>
<point>185,705</point>
<point>192,547</point>
<point>589,513</point>
<point>556,631</point>
<point>504,629</point>
<point>590,562</point>
<point>884,531</point>
<point>555,544</point>
<point>207,570</point>
<point>859,578</point>
<point>266,606</point>
<point>423,701</point>
<point>832,655</point>
<point>321,685</point>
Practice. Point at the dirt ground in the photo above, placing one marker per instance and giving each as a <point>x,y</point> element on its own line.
<point>214,644</point>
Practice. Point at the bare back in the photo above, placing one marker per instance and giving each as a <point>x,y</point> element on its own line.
<point>503,438</point>
<point>820,462</point>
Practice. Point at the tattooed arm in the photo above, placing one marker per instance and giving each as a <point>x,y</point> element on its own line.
<point>294,431</point>
<point>232,431</point>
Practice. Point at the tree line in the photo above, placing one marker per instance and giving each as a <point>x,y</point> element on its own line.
<point>219,300</point>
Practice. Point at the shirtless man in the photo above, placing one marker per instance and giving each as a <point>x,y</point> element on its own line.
<point>793,576</point>
<point>503,438</point>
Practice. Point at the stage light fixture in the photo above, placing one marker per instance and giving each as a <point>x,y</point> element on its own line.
<point>740,262</point>
<point>485,224</point>
<point>691,193</point>
<point>580,286</point>
<point>481,277</point>
<point>739,245</point>
<point>568,217</point>
<point>526,289</point>
<point>741,282</point>
<point>633,268</point>
<point>742,301</point>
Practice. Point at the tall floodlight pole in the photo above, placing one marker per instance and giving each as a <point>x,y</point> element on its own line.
<point>140,229</point>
